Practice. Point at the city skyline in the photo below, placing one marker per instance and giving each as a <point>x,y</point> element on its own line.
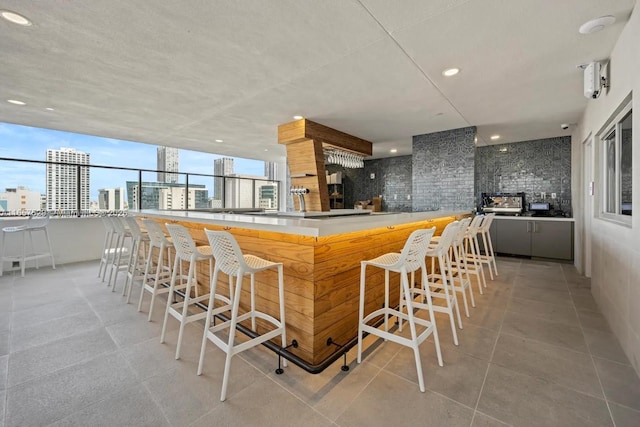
<point>25,142</point>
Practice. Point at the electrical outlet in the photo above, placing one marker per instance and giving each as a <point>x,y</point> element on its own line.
<point>408,196</point>
<point>395,197</point>
<point>553,195</point>
<point>543,195</point>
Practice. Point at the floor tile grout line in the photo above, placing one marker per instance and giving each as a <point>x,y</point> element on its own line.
<point>143,384</point>
<point>546,343</point>
<point>595,368</point>
<point>102,399</point>
<point>400,377</point>
<point>495,345</point>
<point>79,362</point>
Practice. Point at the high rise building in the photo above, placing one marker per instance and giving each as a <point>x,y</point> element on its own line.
<point>221,167</point>
<point>167,162</point>
<point>64,180</point>
<point>111,199</point>
<point>271,170</point>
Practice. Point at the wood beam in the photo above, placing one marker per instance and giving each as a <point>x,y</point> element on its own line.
<point>306,166</point>
<point>305,129</point>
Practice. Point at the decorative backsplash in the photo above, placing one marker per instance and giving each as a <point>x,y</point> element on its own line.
<point>443,164</point>
<point>532,167</point>
<point>446,171</point>
<point>392,180</point>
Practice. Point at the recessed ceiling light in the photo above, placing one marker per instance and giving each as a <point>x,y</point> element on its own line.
<point>15,18</point>
<point>219,140</point>
<point>298,117</point>
<point>393,150</point>
<point>596,25</point>
<point>16,102</point>
<point>266,149</point>
<point>50,109</point>
<point>450,72</point>
<point>494,137</point>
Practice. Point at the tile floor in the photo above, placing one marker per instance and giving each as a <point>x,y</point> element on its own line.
<point>535,351</point>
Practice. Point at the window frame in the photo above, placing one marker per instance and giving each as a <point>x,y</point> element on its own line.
<point>614,125</point>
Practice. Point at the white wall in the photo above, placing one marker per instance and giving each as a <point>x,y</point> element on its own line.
<point>615,279</point>
<point>72,240</point>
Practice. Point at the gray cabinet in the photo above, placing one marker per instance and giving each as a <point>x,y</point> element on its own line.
<point>537,238</point>
<point>552,239</point>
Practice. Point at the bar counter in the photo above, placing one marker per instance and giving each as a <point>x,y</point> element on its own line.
<point>321,260</point>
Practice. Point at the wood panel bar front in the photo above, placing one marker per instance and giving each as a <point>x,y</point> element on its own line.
<point>321,276</point>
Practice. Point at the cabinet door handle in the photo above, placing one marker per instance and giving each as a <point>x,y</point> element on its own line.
<point>535,227</point>
<point>528,226</point>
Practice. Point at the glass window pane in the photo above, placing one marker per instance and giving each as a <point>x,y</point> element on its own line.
<point>626,179</point>
<point>610,173</point>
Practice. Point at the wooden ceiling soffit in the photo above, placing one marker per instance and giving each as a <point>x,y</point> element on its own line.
<point>303,130</point>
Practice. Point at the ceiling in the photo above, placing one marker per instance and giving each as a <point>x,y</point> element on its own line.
<point>188,73</point>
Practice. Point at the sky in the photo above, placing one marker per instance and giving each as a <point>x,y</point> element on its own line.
<point>24,142</point>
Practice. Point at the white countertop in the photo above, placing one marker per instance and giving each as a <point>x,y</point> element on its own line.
<point>533,218</point>
<point>300,226</point>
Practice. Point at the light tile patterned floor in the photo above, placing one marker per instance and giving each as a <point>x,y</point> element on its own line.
<point>535,351</point>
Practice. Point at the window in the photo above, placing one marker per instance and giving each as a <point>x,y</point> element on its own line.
<point>617,182</point>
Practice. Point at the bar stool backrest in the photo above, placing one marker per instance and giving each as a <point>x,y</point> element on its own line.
<point>462,230</point>
<point>415,249</point>
<point>118,225</point>
<point>156,235</point>
<point>182,241</point>
<point>486,222</point>
<point>136,232</point>
<point>448,235</point>
<point>35,222</point>
<point>475,225</point>
<point>226,252</point>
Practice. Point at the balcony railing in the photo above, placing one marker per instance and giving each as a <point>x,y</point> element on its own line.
<point>187,191</point>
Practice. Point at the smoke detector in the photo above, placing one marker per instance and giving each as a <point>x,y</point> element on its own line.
<point>596,24</point>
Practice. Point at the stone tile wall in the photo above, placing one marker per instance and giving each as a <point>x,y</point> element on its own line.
<point>443,170</point>
<point>392,181</point>
<point>532,167</point>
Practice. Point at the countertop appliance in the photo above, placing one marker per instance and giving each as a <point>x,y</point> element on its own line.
<point>503,203</point>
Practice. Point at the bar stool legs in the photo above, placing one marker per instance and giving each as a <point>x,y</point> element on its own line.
<point>230,260</point>
<point>409,260</point>
<point>186,251</point>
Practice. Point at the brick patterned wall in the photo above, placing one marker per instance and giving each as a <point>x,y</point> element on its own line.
<point>443,170</point>
<point>392,181</point>
<point>532,167</point>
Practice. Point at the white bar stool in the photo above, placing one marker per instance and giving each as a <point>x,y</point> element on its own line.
<point>472,251</point>
<point>431,286</point>
<point>409,260</point>
<point>32,224</point>
<point>121,253</point>
<point>488,257</point>
<point>136,266</point>
<point>459,266</point>
<point>230,260</point>
<point>187,251</point>
<point>107,248</point>
<point>162,276</point>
